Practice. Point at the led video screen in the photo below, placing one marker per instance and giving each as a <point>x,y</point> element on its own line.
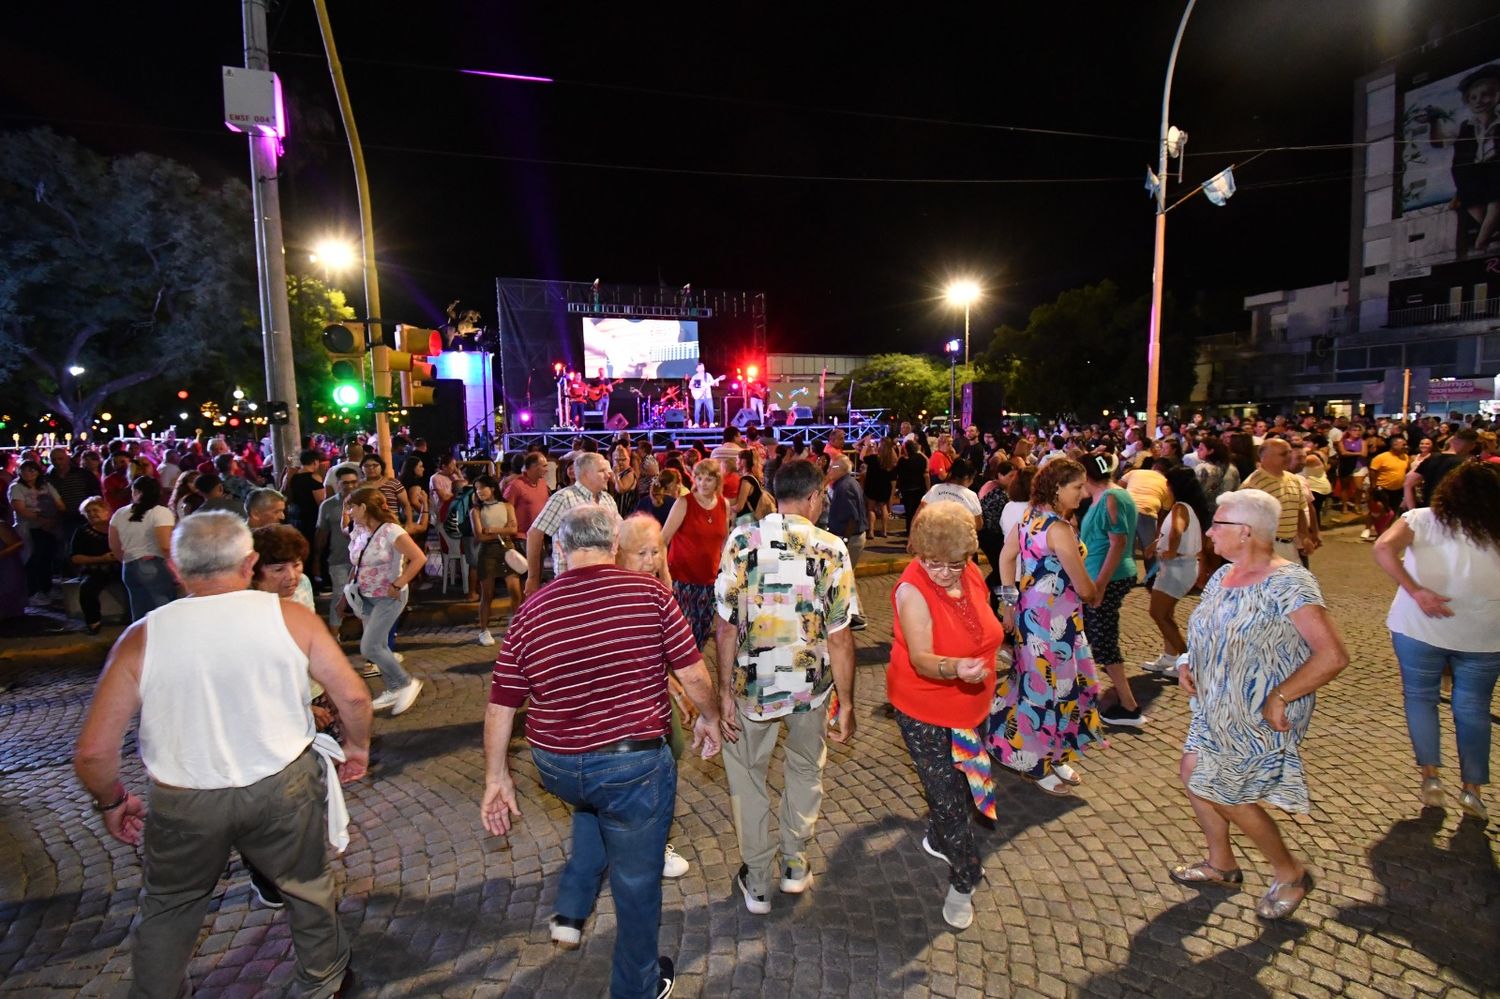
<point>639,348</point>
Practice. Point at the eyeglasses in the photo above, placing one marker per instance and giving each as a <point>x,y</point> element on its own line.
<point>1229,523</point>
<point>944,566</point>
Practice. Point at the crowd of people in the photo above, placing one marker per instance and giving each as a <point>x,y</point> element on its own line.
<point>633,570</point>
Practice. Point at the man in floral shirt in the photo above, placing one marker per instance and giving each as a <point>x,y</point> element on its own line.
<point>783,595</point>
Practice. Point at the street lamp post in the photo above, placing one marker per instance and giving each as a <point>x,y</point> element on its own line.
<point>952,348</point>
<point>1153,348</point>
<point>964,293</point>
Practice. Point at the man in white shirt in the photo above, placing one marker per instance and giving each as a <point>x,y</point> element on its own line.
<point>230,759</point>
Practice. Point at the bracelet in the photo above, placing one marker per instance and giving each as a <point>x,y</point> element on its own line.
<point>942,663</point>
<point>1278,693</point>
<point>109,808</point>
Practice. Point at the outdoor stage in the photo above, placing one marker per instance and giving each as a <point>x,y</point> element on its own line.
<point>560,439</point>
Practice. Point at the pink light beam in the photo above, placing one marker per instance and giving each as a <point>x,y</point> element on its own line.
<point>521,77</point>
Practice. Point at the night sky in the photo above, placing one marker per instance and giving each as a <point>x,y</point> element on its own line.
<point>470,180</point>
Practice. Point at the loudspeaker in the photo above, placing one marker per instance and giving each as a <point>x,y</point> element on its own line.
<point>617,422</point>
<point>981,405</point>
<point>443,423</point>
<point>674,419</point>
<point>593,419</point>
<point>743,418</point>
<point>799,414</point>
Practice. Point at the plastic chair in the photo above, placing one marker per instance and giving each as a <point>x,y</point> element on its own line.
<point>454,557</point>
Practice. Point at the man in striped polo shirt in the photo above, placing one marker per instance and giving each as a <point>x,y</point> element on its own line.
<point>591,650</point>
<point>1294,531</point>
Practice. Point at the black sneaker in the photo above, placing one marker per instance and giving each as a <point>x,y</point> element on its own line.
<point>566,933</point>
<point>1122,717</point>
<point>668,977</point>
<point>753,903</point>
<point>265,890</point>
<point>856,623</point>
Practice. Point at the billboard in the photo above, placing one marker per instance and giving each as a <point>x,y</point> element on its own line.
<point>1447,195</point>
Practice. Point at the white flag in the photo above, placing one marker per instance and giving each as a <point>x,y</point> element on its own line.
<point>1220,187</point>
<point>1152,183</point>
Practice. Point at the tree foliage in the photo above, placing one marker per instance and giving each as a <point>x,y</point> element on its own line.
<point>905,385</point>
<point>1086,352</point>
<point>124,266</point>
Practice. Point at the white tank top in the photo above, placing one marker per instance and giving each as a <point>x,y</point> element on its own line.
<point>224,692</point>
<point>1191,542</point>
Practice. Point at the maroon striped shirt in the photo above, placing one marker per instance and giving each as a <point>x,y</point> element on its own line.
<point>591,649</point>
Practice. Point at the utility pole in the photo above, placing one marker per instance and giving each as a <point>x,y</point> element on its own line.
<point>380,355</point>
<point>270,257</point>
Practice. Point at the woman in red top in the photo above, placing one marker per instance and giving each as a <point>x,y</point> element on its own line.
<point>942,678</point>
<point>694,535</point>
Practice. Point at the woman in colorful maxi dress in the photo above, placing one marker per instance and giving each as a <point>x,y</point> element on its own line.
<point>1046,709</point>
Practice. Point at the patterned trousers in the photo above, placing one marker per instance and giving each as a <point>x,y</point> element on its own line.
<point>949,831</point>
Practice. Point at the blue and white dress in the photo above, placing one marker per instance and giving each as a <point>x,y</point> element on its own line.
<point>1241,643</point>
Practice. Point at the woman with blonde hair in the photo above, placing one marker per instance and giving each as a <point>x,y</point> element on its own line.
<point>384,559</point>
<point>694,534</point>
<point>878,479</point>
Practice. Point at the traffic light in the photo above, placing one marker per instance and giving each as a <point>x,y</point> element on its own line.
<point>409,352</point>
<point>346,344</point>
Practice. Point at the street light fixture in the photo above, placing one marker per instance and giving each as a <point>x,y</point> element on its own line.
<point>76,370</point>
<point>337,256</point>
<point>964,293</point>
<point>951,348</point>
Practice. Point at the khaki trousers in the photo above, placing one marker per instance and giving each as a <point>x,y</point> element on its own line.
<point>280,826</point>
<point>745,764</point>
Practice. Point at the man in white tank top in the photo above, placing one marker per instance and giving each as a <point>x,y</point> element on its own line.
<point>221,683</point>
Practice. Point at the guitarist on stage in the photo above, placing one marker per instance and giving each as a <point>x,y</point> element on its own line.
<point>701,386</point>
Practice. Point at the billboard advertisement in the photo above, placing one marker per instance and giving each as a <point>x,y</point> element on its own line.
<point>1447,195</point>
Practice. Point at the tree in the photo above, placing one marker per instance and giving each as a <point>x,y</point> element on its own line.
<point>313,306</point>
<point>121,267</point>
<point>904,385</point>
<point>1086,352</point>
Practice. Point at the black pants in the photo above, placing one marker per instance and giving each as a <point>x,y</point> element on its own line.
<point>911,501</point>
<point>947,792</point>
<point>94,583</point>
<point>39,565</point>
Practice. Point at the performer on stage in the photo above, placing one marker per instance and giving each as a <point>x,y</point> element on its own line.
<point>755,390</point>
<point>701,385</point>
<point>578,397</point>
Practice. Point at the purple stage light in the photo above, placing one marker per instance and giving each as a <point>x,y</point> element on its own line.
<point>521,77</point>
<point>525,416</point>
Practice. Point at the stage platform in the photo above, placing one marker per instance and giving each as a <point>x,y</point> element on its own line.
<point>559,440</point>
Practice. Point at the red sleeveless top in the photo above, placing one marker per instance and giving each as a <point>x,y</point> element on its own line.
<point>960,629</point>
<point>693,555</point>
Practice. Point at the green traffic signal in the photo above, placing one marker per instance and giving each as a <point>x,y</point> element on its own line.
<point>348,394</point>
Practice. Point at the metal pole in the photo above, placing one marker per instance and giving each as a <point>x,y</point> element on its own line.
<point>1405,392</point>
<point>952,392</point>
<point>1158,260</point>
<point>380,355</point>
<point>270,255</point>
<point>966,334</point>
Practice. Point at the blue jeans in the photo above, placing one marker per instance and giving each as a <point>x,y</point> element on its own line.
<point>622,807</point>
<point>380,614</point>
<point>1474,675</point>
<point>149,584</point>
<point>703,412</point>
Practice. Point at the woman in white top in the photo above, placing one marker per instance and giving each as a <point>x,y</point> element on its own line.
<point>38,519</point>
<point>493,522</point>
<point>140,535</point>
<point>1177,547</point>
<point>1446,615</point>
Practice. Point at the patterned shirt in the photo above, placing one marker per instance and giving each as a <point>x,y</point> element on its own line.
<point>550,519</point>
<point>374,553</point>
<point>786,586</point>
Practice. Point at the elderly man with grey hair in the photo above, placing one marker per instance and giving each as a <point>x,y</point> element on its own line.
<point>264,507</point>
<point>590,652</point>
<point>1296,530</point>
<point>591,470</point>
<point>220,680</point>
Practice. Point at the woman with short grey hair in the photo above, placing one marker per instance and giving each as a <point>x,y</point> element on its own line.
<point>1259,644</point>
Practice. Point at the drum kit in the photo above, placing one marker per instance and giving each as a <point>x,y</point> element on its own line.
<point>654,408</point>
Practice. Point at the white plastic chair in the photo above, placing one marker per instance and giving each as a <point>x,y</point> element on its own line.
<point>454,557</point>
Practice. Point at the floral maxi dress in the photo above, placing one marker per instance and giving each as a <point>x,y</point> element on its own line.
<point>1045,709</point>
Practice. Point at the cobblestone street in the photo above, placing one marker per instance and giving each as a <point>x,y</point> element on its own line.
<point>1077,900</point>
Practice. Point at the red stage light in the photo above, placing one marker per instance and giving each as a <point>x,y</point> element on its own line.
<point>182,393</point>
<point>751,372</point>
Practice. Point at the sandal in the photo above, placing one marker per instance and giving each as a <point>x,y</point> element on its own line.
<point>1053,785</point>
<point>1203,873</point>
<point>1272,906</point>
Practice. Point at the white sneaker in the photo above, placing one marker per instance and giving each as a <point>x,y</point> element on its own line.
<point>485,638</point>
<point>400,656</point>
<point>1161,664</point>
<point>566,933</point>
<point>958,908</point>
<point>1366,535</point>
<point>383,701</point>
<point>406,697</point>
<point>673,866</point>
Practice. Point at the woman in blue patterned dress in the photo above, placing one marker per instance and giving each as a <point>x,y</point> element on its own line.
<point>1259,644</point>
<point>1045,709</point>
